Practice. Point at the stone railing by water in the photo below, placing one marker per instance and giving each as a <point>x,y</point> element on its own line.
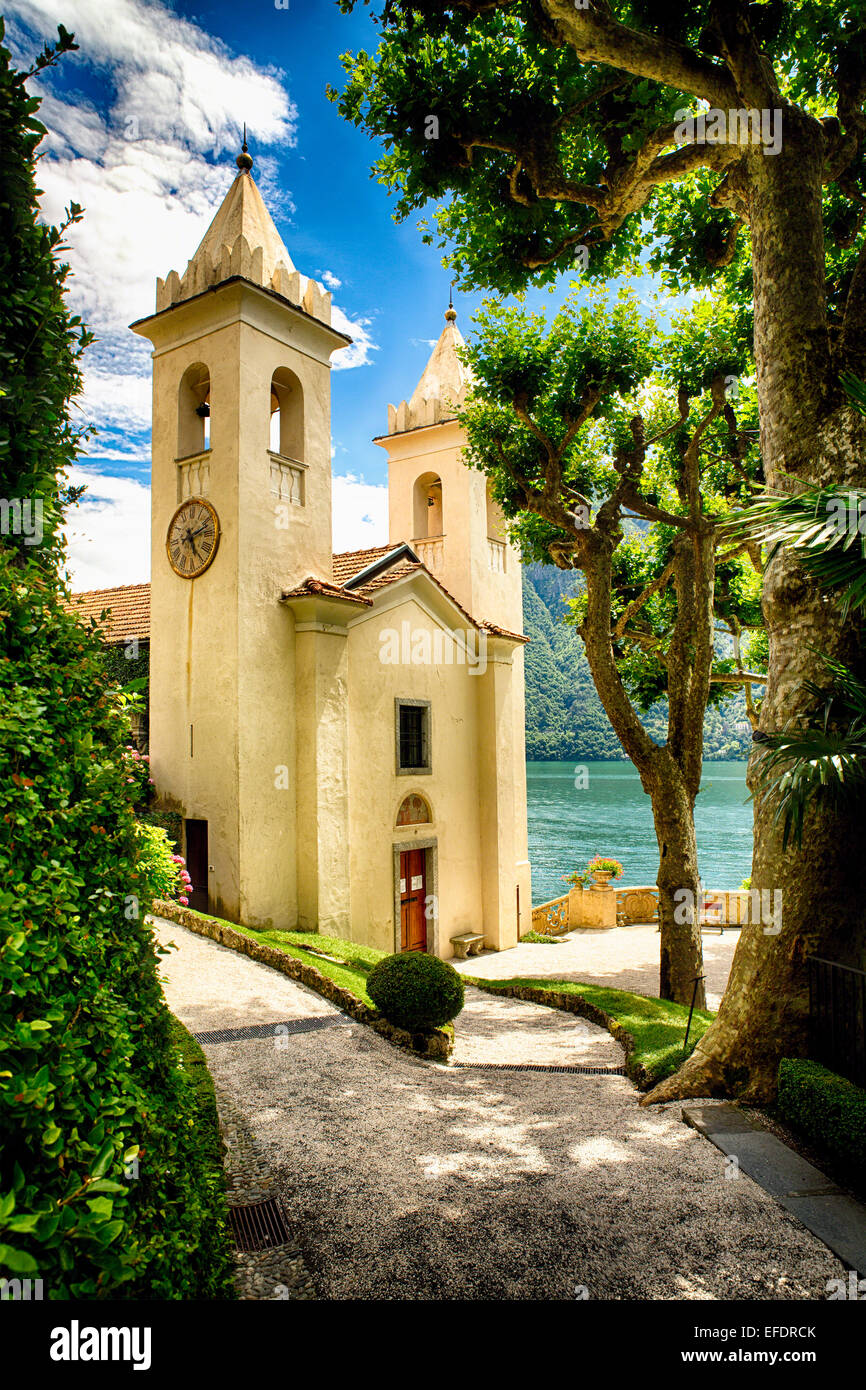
<point>551,919</point>
<point>601,905</point>
<point>719,907</point>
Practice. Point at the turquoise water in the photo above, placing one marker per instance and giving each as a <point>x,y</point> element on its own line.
<point>612,815</point>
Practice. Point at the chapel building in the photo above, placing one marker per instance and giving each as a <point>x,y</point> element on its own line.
<point>342,735</point>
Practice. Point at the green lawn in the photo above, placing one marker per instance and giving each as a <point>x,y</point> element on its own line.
<point>657,1025</point>
<point>350,970</point>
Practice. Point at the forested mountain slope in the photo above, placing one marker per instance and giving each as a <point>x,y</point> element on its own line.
<point>564,717</point>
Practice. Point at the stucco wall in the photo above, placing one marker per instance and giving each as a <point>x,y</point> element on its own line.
<point>292,761</point>
<point>472,745</point>
<point>222,656</point>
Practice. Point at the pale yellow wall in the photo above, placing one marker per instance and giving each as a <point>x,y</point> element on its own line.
<point>503,793</point>
<point>222,652</point>
<point>522,870</point>
<point>472,740</point>
<point>322,704</point>
<point>468,521</point>
<point>376,790</point>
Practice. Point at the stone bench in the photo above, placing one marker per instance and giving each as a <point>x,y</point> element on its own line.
<point>467,944</point>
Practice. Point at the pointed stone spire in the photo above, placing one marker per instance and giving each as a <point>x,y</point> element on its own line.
<point>443,384</point>
<point>242,240</point>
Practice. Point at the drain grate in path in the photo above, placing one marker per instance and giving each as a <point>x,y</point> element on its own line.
<point>258,1226</point>
<point>539,1066</point>
<point>268,1030</point>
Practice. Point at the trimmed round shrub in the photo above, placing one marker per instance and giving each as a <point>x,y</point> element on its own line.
<point>415,991</point>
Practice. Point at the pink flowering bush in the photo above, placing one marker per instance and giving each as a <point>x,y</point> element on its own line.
<point>136,767</point>
<point>166,873</point>
<point>184,883</point>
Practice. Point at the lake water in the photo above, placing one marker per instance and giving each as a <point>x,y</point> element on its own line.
<point>612,816</point>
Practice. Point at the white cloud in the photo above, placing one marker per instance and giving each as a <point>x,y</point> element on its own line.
<point>141,166</point>
<point>117,399</point>
<point>141,163</point>
<point>359,513</point>
<point>143,169</point>
<point>362,345</point>
<point>169,75</point>
<point>108,531</point>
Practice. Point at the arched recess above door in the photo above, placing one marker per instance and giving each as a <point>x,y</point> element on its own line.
<point>414,810</point>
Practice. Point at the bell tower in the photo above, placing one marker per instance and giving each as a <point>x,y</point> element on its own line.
<point>445,511</point>
<point>442,507</point>
<point>240,511</point>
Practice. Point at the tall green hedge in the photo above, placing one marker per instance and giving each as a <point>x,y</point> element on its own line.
<point>102,1187</point>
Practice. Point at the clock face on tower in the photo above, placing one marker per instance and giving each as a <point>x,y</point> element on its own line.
<point>193,537</point>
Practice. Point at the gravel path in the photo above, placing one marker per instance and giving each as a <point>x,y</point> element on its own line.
<point>622,957</point>
<point>491,1029</point>
<point>407,1180</point>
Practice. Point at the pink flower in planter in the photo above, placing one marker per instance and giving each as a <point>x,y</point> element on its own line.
<point>184,902</point>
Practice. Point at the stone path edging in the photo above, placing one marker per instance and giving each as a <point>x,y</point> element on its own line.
<point>798,1186</point>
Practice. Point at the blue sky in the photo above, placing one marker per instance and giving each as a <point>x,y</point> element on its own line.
<point>144,124</point>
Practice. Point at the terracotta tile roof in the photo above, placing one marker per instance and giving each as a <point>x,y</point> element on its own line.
<point>388,576</point>
<point>129,605</point>
<point>129,608</point>
<point>350,562</point>
<point>312,586</point>
<point>356,560</point>
<point>503,632</point>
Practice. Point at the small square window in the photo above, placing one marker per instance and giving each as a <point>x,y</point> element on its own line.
<point>413,736</point>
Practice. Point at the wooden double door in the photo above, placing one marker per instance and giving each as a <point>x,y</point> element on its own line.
<point>413,900</point>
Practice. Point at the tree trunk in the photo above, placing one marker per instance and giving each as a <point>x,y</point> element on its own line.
<point>805,432</point>
<point>681,956</point>
<point>670,777</point>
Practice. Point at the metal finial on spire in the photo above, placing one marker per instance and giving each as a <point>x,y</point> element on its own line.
<point>244,160</point>
<point>450,312</point>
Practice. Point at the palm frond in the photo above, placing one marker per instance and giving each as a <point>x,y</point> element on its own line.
<point>808,767</point>
<point>855,390</point>
<point>847,694</point>
<point>822,526</point>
